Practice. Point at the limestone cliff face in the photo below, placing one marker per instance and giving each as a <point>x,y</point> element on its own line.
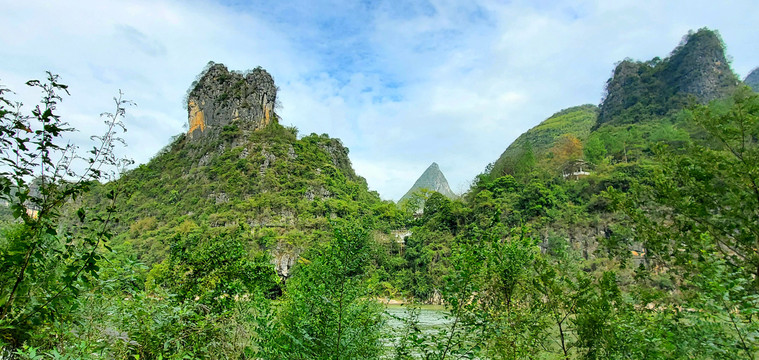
<point>697,69</point>
<point>752,79</point>
<point>633,83</point>
<point>222,97</point>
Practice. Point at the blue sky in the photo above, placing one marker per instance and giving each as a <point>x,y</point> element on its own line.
<point>402,83</point>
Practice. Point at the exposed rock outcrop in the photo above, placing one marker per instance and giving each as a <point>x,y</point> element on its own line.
<point>238,169</point>
<point>221,97</point>
<point>633,86</point>
<point>339,156</point>
<point>284,260</point>
<point>697,68</point>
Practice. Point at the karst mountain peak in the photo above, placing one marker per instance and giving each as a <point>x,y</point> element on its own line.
<point>220,97</point>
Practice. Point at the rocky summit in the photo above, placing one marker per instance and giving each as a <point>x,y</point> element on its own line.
<point>696,69</point>
<point>221,97</point>
<point>432,179</point>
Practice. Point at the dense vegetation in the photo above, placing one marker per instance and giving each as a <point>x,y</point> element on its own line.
<point>626,239</point>
<point>652,256</point>
<point>282,188</point>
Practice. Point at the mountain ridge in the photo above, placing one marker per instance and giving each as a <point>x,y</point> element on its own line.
<point>696,69</point>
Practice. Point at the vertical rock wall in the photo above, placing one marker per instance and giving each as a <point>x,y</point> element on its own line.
<point>697,68</point>
<point>222,97</point>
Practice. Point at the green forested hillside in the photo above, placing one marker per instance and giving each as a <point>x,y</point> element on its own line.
<point>648,256</point>
<point>203,235</point>
<point>643,103</point>
<point>282,188</point>
<point>575,121</point>
<point>630,242</point>
<point>247,173</point>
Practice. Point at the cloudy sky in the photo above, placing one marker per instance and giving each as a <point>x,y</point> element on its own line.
<point>402,83</point>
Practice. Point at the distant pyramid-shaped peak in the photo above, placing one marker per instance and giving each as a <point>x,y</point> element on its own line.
<point>432,179</point>
<point>752,79</point>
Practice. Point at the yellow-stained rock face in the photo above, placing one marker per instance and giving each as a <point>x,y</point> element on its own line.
<point>197,121</point>
<point>221,98</point>
<point>32,213</point>
<point>267,109</point>
<point>267,119</point>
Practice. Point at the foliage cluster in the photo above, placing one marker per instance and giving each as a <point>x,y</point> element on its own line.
<point>44,266</point>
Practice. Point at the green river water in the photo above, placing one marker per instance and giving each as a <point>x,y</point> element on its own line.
<point>431,318</point>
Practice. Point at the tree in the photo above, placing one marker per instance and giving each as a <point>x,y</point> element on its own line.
<point>215,269</point>
<point>415,202</point>
<point>327,313</point>
<point>567,148</point>
<point>426,256</point>
<point>490,298</point>
<point>43,267</point>
<point>503,185</point>
<point>594,150</point>
<point>525,162</point>
<point>535,199</point>
<point>713,188</point>
<point>438,209</point>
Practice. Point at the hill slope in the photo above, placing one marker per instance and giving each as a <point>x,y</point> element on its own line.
<point>640,99</point>
<point>576,121</point>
